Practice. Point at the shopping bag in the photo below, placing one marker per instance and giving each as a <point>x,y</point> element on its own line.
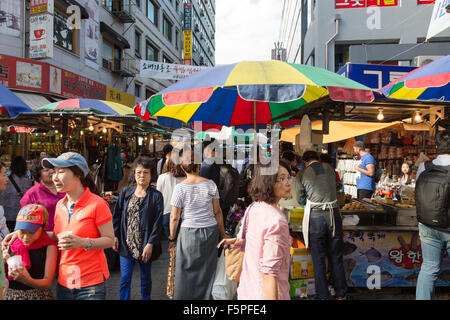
<point>223,288</point>
<point>171,274</point>
<point>234,255</point>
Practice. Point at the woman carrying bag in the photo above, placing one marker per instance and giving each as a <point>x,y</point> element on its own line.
<point>137,228</point>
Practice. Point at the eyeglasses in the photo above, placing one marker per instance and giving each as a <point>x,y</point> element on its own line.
<point>284,180</point>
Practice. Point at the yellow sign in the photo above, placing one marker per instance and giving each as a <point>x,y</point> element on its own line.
<point>187,44</point>
<point>119,96</point>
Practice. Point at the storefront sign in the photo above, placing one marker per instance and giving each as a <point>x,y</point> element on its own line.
<point>119,96</point>
<point>372,75</point>
<point>187,44</point>
<point>396,255</point>
<point>159,70</point>
<point>187,17</point>
<point>10,18</point>
<point>41,6</point>
<point>440,18</point>
<point>419,2</point>
<point>346,4</point>
<point>41,36</point>
<point>24,74</point>
<point>76,86</point>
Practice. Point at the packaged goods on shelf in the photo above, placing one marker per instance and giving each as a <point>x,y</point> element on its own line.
<point>301,264</point>
<point>302,288</point>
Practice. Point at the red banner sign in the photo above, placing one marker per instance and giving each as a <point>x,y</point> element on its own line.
<point>419,2</point>
<point>346,4</point>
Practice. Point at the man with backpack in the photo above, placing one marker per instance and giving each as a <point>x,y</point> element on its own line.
<point>365,184</point>
<point>433,214</point>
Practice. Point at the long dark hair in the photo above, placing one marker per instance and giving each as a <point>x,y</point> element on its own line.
<point>87,182</point>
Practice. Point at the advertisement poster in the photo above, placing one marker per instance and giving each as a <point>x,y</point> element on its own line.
<point>55,80</point>
<point>397,254</point>
<point>10,16</point>
<point>76,86</point>
<point>160,70</point>
<point>92,33</point>
<point>28,75</point>
<point>41,36</point>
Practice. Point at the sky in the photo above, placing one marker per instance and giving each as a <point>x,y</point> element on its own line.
<point>246,29</point>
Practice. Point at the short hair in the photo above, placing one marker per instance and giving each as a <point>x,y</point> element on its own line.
<point>289,155</point>
<point>19,166</point>
<point>443,142</point>
<point>261,187</point>
<point>310,155</point>
<point>325,157</point>
<point>35,169</point>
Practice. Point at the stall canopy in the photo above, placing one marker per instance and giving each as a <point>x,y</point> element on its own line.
<point>10,104</point>
<point>339,130</point>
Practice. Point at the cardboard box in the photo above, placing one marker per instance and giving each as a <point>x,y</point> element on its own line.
<point>301,288</point>
<point>301,264</point>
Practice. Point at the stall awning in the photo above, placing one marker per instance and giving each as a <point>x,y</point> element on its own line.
<point>339,130</point>
<point>114,36</point>
<point>35,101</point>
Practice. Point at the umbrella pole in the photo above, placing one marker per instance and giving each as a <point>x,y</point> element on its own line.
<point>255,145</point>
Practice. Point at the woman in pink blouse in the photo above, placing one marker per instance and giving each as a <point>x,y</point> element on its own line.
<point>265,269</point>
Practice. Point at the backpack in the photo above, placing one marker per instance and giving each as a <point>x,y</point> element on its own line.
<point>433,196</point>
<point>378,174</point>
<point>229,184</point>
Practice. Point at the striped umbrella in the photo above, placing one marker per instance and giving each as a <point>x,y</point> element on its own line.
<point>88,105</point>
<point>10,104</point>
<point>430,82</point>
<point>249,93</point>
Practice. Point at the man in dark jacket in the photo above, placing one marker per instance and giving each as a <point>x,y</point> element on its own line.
<point>209,168</point>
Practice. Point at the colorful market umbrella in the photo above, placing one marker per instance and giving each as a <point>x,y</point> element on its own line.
<point>249,93</point>
<point>430,82</point>
<point>11,104</point>
<point>97,106</point>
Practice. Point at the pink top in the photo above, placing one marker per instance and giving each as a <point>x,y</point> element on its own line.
<point>41,195</point>
<point>267,250</point>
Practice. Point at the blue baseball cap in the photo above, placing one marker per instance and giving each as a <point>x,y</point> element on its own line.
<point>65,160</point>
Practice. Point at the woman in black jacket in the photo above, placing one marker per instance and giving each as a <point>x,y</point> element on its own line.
<point>137,222</point>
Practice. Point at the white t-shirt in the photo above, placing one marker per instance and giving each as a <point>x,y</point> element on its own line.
<point>166,185</point>
<point>441,160</point>
<point>195,199</point>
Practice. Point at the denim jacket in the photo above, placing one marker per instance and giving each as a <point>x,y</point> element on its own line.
<point>151,212</point>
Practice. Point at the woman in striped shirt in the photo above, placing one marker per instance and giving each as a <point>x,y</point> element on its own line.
<point>196,202</point>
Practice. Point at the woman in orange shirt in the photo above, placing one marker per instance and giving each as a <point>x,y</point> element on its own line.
<point>83,226</point>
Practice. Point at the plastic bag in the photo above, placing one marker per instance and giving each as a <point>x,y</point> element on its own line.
<point>223,288</point>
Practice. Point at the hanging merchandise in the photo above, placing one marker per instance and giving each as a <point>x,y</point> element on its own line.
<point>305,137</point>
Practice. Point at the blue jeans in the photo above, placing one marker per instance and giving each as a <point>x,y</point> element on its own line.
<point>433,242</point>
<point>126,271</point>
<point>97,292</point>
<point>323,245</point>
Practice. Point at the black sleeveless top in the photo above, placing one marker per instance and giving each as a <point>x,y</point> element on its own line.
<point>37,270</point>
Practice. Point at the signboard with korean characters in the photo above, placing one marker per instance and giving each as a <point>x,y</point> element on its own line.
<point>347,4</point>
<point>187,44</point>
<point>41,36</point>
<point>391,257</point>
<point>159,70</point>
<point>41,6</point>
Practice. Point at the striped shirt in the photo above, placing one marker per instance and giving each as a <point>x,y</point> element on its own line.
<point>195,200</point>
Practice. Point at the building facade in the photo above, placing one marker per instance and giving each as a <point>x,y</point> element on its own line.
<point>102,52</point>
<point>329,34</point>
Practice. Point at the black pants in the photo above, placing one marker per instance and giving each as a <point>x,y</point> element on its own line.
<point>363,193</point>
<point>324,245</point>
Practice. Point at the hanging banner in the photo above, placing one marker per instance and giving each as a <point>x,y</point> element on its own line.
<point>187,17</point>
<point>187,44</point>
<point>92,34</point>
<point>41,36</point>
<point>159,70</point>
<point>440,19</point>
<point>10,16</point>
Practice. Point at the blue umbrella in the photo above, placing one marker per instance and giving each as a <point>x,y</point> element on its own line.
<point>11,104</point>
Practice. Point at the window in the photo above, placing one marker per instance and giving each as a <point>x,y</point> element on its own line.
<point>63,36</point>
<point>167,29</point>
<point>137,44</point>
<point>166,59</point>
<point>177,39</point>
<point>151,52</point>
<point>111,56</point>
<point>138,3</point>
<point>137,90</point>
<point>152,12</point>
<point>107,55</point>
<point>148,93</point>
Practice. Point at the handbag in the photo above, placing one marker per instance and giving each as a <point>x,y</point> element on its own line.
<point>234,252</point>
